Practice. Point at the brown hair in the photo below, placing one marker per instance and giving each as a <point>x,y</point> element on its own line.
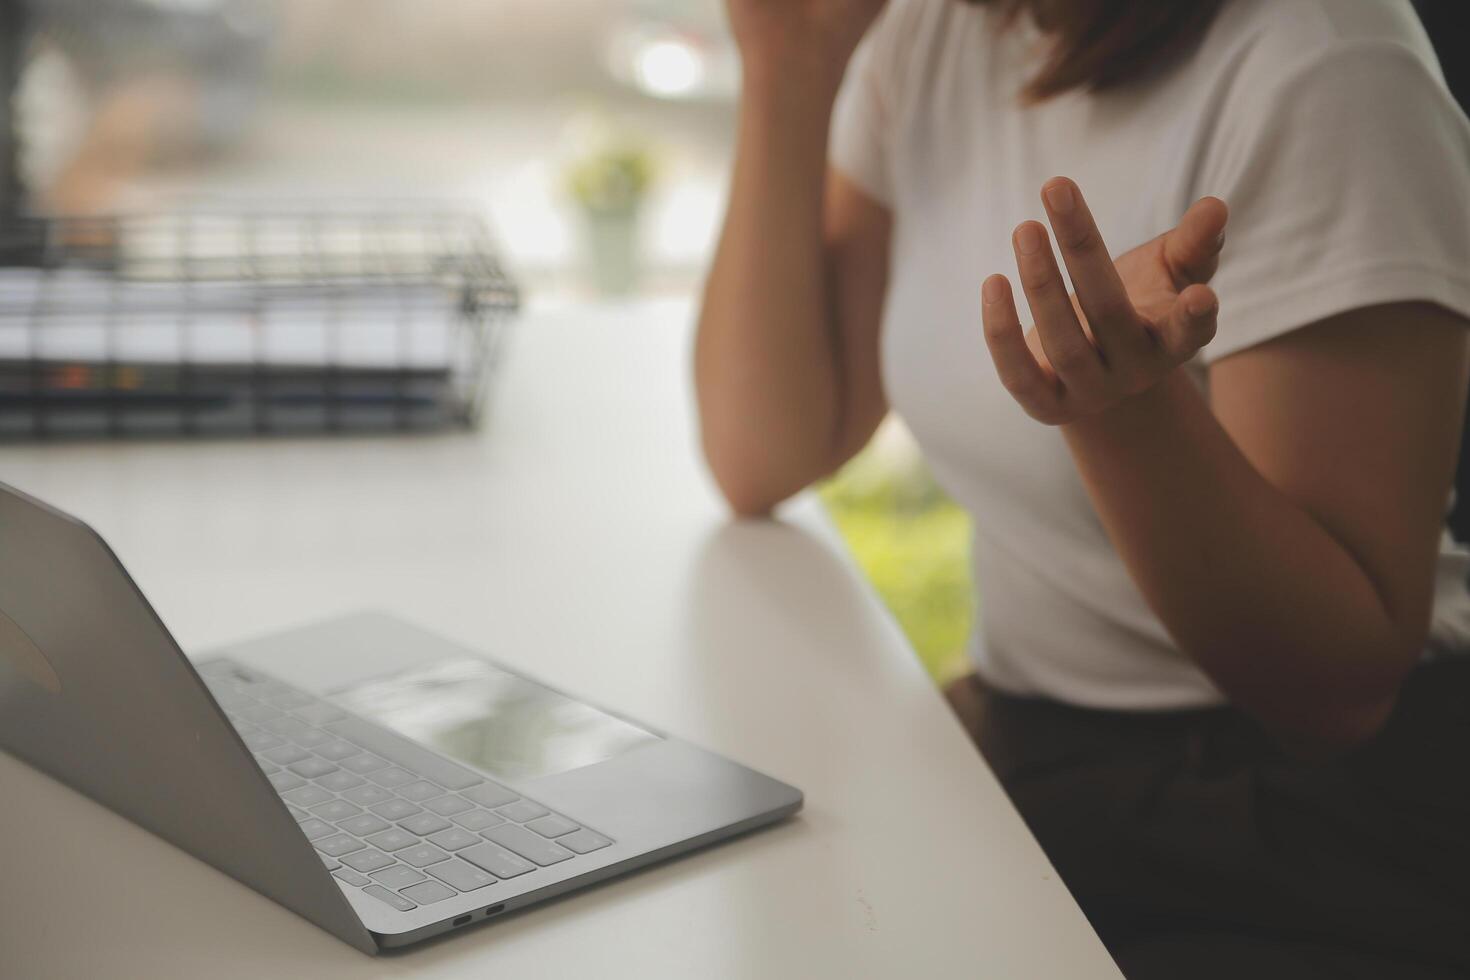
<point>1101,44</point>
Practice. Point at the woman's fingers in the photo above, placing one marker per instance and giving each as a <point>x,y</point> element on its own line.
<point>1092,351</point>
<point>1028,382</point>
<point>1115,327</point>
<point>1072,355</point>
<point>1192,249</point>
<point>1191,323</point>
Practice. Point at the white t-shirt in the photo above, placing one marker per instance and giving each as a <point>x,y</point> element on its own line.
<point>1326,126</point>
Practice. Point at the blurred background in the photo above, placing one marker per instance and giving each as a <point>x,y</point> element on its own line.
<point>593,135</point>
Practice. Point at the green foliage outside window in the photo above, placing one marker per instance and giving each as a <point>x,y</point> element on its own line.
<point>913,543</point>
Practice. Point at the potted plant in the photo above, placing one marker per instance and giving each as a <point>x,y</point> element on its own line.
<point>609,185</point>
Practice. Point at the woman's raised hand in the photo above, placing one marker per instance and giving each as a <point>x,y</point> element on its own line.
<point>1130,323</point>
<point>800,34</point>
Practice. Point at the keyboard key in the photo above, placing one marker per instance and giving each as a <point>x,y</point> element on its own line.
<point>363,763</point>
<point>428,892</point>
<point>363,824</point>
<point>582,841</point>
<point>283,781</point>
<point>227,694</point>
<point>420,791</point>
<point>285,755</point>
<point>234,700</point>
<point>384,895</point>
<point>392,777</point>
<point>367,794</point>
<point>496,860</point>
<point>297,812</point>
<point>420,855</point>
<point>288,699</point>
<point>478,820</point>
<point>396,809</point>
<point>522,810</point>
<point>336,750</point>
<point>339,781</point>
<point>285,725</point>
<point>454,838</point>
<point>307,795</point>
<point>392,839</point>
<point>399,876</point>
<point>530,846</point>
<point>352,877</point>
<point>367,860</point>
<point>317,712</point>
<point>424,824</point>
<point>405,753</point>
<point>330,863</point>
<point>448,806</point>
<point>335,810</point>
<point>259,713</point>
<point>552,825</point>
<point>312,768</point>
<point>265,688</point>
<point>266,766</point>
<point>465,877</point>
<point>311,739</point>
<point>490,794</point>
<point>259,741</point>
<point>338,845</point>
<point>314,828</point>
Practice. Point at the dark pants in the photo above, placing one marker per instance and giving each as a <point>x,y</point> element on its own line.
<point>1199,850</point>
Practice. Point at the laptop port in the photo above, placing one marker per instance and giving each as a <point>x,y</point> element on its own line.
<point>461,920</point>
<point>493,909</point>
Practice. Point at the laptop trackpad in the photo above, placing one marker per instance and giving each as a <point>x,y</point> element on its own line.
<point>491,719</point>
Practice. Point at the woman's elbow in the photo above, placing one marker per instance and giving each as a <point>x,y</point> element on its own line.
<point>1358,713</point>
<point>746,503</point>
<point>1333,731</point>
<point>743,485</point>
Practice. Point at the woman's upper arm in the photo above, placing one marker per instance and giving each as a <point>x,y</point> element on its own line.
<point>1357,419</point>
<point>856,231</point>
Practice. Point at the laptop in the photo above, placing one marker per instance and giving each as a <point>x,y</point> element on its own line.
<point>382,782</point>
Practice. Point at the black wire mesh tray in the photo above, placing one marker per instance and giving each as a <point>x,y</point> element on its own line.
<point>216,320</point>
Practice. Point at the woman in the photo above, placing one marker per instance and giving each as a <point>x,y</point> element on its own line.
<point>1217,665</point>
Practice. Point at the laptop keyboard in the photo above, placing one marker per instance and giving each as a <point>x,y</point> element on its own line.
<point>387,816</point>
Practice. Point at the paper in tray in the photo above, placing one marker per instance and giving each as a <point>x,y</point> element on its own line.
<point>84,316</point>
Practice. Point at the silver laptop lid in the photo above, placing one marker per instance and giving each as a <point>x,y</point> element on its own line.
<point>95,692</point>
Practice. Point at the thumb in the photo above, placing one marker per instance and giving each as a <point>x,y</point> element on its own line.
<point>1191,323</point>
<point>1192,249</point>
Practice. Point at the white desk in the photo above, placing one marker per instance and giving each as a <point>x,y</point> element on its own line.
<point>578,537</point>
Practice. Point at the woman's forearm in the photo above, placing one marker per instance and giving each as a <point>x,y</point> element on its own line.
<point>1278,612</point>
<point>765,361</point>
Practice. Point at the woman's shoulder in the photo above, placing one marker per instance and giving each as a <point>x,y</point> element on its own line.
<point>913,23</point>
<point>915,17</point>
<point>1345,161</point>
<point>1270,40</point>
<point>919,43</point>
<point>1352,60</point>
<point>914,29</point>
